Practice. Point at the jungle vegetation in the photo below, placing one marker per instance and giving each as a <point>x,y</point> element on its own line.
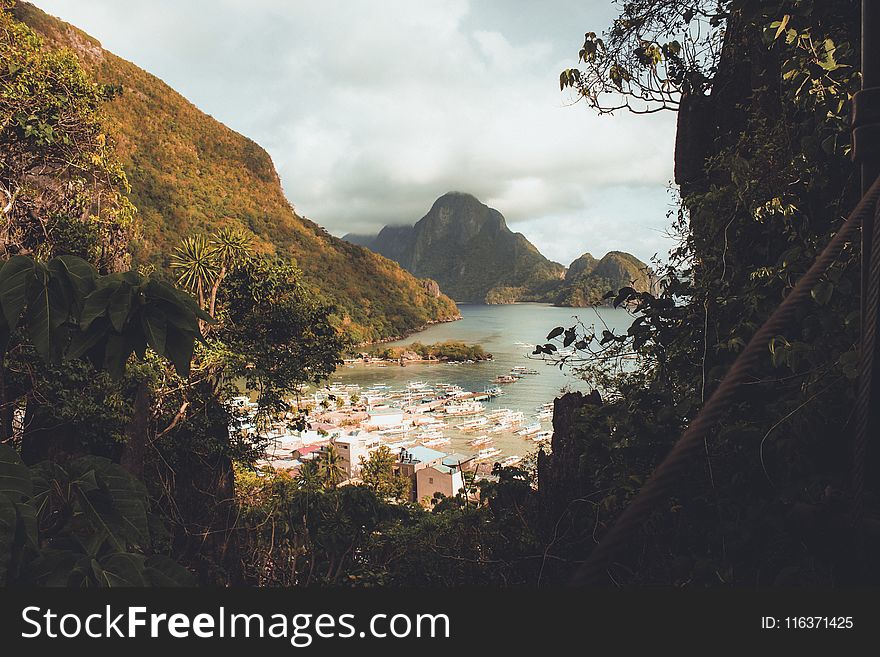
<point>117,464</point>
<point>449,350</point>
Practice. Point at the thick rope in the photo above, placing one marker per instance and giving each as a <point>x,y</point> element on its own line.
<point>689,445</point>
<point>867,365</point>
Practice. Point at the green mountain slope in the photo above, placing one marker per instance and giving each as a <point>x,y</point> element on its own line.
<point>588,279</point>
<point>468,249</point>
<point>191,174</point>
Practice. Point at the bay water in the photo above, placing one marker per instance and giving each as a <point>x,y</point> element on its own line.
<point>509,332</point>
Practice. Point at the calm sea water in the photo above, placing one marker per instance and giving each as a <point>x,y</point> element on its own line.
<point>509,333</point>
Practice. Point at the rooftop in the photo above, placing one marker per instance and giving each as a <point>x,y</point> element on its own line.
<point>421,454</point>
<point>455,459</point>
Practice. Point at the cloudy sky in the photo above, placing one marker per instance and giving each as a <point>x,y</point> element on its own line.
<point>373,108</point>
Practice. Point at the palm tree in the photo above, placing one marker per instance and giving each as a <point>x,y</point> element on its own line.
<point>194,263</point>
<point>330,466</point>
<point>309,476</point>
<point>201,264</point>
<point>230,247</point>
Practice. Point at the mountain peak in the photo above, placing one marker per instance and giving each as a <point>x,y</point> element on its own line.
<point>466,247</point>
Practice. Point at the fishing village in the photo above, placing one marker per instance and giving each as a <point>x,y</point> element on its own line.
<point>440,434</point>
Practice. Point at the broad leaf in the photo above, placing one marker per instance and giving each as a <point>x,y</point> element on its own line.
<point>119,496</point>
<point>179,348</point>
<point>15,478</point>
<point>84,341</point>
<point>159,290</point>
<point>95,305</point>
<point>120,306</point>
<point>77,274</point>
<point>58,568</point>
<point>162,571</point>
<point>116,354</point>
<point>155,325</point>
<point>14,277</point>
<point>48,308</point>
<point>120,569</point>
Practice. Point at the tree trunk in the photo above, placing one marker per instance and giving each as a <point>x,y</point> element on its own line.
<point>137,432</point>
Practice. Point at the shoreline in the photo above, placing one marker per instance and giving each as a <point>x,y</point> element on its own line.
<point>409,333</point>
<point>421,361</point>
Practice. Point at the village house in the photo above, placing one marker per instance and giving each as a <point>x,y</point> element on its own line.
<point>444,478</point>
<point>355,448</point>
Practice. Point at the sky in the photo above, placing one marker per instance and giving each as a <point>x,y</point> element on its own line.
<point>371,109</point>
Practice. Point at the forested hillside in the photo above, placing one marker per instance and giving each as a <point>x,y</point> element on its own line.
<point>191,174</point>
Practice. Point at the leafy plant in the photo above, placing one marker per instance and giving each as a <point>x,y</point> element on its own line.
<point>81,524</point>
<point>66,309</point>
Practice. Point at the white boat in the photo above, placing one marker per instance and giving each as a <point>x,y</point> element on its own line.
<point>474,424</point>
<point>466,408</point>
<point>436,442</point>
<point>508,461</point>
<point>487,453</point>
<point>529,430</point>
<point>542,436</point>
<point>479,441</point>
<point>500,427</point>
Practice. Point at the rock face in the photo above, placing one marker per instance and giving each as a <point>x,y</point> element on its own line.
<point>585,264</point>
<point>468,249</point>
<point>588,279</point>
<point>431,287</point>
<point>559,478</point>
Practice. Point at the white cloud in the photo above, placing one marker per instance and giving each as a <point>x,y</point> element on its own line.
<point>372,109</point>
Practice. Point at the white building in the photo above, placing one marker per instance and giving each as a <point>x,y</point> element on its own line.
<point>354,448</point>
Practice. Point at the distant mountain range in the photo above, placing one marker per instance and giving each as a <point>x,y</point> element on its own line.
<point>191,174</point>
<point>467,248</point>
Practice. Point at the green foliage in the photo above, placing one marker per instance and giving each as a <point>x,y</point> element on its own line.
<point>777,182</point>
<point>298,535</point>
<point>330,469</point>
<point>379,475</point>
<point>449,350</point>
<point>279,333</point>
<point>655,52</point>
<point>81,524</point>
<point>61,187</point>
<point>66,309</point>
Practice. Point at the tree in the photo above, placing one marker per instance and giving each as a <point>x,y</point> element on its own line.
<point>65,310</point>
<point>655,55</point>
<point>202,263</point>
<point>62,190</point>
<point>278,331</point>
<point>330,468</point>
<point>379,475</point>
<point>309,477</point>
<point>763,167</point>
